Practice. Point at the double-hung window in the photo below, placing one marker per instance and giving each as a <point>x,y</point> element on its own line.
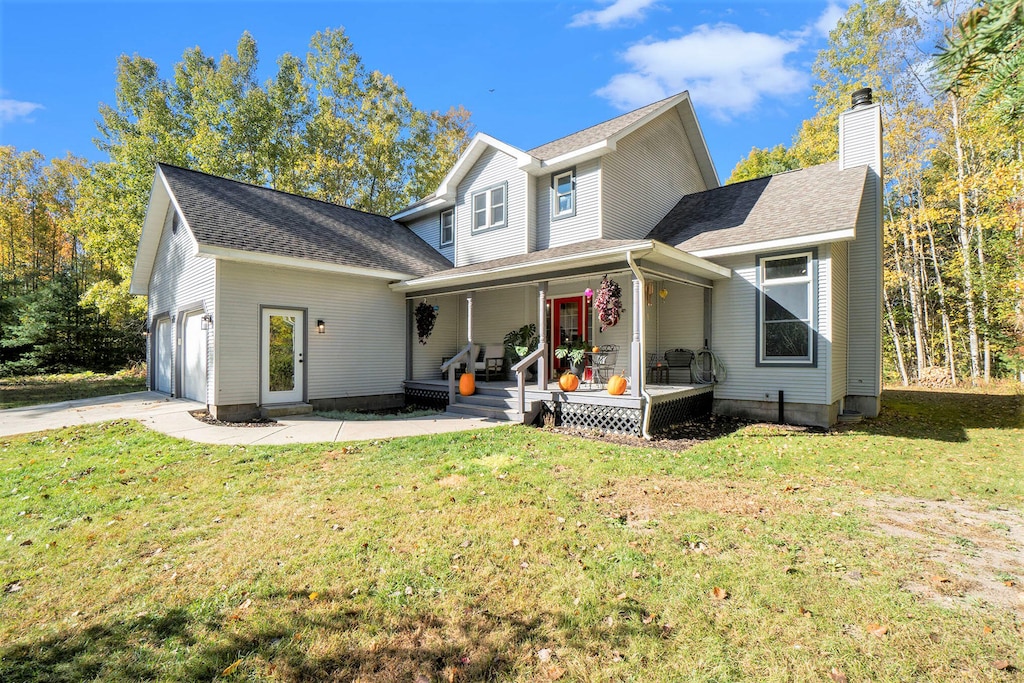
<point>489,207</point>
<point>447,227</point>
<point>563,190</point>
<point>786,305</point>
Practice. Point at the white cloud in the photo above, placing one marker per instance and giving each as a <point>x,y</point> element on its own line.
<point>829,19</point>
<point>12,110</point>
<point>619,12</point>
<point>725,68</point>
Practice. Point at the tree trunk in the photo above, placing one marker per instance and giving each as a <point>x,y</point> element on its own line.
<point>965,241</point>
<point>947,328</point>
<point>897,344</point>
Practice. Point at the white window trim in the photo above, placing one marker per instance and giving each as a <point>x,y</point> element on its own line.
<point>555,204</point>
<point>451,240</point>
<point>811,360</point>
<point>489,206</point>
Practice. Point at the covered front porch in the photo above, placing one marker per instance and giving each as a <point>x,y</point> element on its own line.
<point>666,306</point>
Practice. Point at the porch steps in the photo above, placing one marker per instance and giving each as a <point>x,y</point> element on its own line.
<point>285,409</point>
<point>850,417</point>
<point>495,404</point>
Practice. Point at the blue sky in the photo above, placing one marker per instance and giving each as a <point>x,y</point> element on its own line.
<point>528,71</point>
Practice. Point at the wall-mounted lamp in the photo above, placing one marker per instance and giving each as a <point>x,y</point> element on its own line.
<point>206,321</point>
<point>320,327</point>
<point>663,292</point>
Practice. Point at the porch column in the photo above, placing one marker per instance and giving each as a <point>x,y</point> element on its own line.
<point>409,324</point>
<point>542,335</point>
<point>636,372</point>
<point>469,319</point>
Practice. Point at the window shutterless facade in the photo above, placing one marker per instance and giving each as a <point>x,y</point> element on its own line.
<point>447,227</point>
<point>563,191</point>
<point>786,305</point>
<point>489,207</point>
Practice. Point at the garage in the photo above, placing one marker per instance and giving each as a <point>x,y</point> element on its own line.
<point>193,354</point>
<point>163,345</point>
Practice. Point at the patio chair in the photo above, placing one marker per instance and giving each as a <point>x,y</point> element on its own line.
<point>680,366</point>
<point>602,363</point>
<point>490,361</point>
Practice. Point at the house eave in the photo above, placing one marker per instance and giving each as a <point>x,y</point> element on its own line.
<point>844,235</point>
<point>433,204</point>
<point>227,254</point>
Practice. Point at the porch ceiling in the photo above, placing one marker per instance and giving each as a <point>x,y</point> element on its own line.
<point>567,261</point>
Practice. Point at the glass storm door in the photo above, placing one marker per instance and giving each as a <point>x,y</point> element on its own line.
<point>281,376</point>
<point>568,324</point>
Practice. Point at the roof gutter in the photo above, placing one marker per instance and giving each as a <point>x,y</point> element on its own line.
<point>645,423</point>
<point>209,251</point>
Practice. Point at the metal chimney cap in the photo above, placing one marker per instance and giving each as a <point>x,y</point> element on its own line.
<point>860,98</point>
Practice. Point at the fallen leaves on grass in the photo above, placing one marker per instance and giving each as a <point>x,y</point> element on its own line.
<point>232,668</point>
<point>877,630</point>
<point>837,675</point>
<point>719,593</point>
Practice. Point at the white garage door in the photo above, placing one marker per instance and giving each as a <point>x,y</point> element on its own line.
<point>193,372</point>
<point>162,356</point>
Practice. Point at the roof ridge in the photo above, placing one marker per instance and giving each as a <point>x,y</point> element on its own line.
<point>271,189</point>
<point>606,121</point>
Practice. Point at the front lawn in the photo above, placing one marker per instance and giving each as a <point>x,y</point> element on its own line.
<point>16,392</point>
<point>888,551</point>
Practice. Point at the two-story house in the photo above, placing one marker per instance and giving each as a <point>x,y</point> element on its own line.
<point>759,299</point>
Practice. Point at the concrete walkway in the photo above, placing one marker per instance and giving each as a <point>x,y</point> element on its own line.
<point>171,416</point>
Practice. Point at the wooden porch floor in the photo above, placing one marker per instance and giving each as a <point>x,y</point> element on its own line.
<point>587,393</point>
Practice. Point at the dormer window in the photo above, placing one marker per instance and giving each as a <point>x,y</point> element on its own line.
<point>447,227</point>
<point>563,188</point>
<point>489,208</point>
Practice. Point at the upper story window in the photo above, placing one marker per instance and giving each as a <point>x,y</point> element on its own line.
<point>786,305</point>
<point>489,207</point>
<point>563,188</point>
<point>447,227</point>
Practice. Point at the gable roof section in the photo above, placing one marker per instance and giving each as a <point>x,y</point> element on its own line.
<point>588,143</point>
<point>815,204</point>
<point>230,219</point>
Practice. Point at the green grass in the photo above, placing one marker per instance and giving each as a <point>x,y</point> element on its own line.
<point>462,556</point>
<point>16,392</point>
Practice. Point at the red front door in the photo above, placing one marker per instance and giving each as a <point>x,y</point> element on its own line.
<point>568,323</point>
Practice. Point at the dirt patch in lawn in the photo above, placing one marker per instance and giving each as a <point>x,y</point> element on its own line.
<point>204,416</point>
<point>971,555</point>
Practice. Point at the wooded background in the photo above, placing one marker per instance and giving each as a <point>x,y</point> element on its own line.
<point>948,76</point>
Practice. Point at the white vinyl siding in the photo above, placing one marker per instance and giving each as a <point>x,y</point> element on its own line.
<point>585,224</point>
<point>677,321</point>
<point>646,175</point>
<point>496,312</point>
<point>428,229</point>
<point>860,144</point>
<point>361,353</point>
<point>181,280</point>
<point>493,168</point>
<point>733,322</point>
<point>838,330</point>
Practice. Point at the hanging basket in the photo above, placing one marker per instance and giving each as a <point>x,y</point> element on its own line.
<point>608,303</point>
<point>426,316</point>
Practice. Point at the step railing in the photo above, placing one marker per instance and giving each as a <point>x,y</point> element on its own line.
<point>520,369</point>
<point>449,367</point>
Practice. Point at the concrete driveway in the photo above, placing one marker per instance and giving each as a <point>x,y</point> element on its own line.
<point>171,416</point>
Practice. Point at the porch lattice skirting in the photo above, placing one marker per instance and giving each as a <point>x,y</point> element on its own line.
<point>614,419</point>
<point>667,413</point>
<point>433,399</point>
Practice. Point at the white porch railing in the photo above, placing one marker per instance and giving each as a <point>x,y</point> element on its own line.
<point>520,368</point>
<point>450,365</point>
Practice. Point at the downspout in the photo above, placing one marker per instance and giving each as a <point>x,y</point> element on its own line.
<point>645,422</point>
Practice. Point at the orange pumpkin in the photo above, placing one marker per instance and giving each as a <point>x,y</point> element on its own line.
<point>617,385</point>
<point>569,382</point>
<point>467,384</point>
<point>596,349</point>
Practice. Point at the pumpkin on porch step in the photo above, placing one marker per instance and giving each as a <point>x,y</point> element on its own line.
<point>568,382</point>
<point>617,385</point>
<point>467,384</point>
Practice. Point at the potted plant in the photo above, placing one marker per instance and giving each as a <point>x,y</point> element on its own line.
<point>520,343</point>
<point>574,352</point>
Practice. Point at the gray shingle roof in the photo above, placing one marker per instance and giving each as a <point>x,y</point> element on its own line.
<point>794,204</point>
<point>234,215</point>
<point>589,136</point>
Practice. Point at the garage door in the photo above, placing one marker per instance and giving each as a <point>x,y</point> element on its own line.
<point>193,353</point>
<point>162,356</point>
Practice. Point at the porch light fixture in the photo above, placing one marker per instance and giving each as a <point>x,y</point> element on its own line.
<point>663,293</point>
<point>206,321</point>
<point>320,327</point>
